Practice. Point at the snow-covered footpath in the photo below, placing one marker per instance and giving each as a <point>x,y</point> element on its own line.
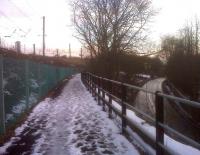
<point>71,124</point>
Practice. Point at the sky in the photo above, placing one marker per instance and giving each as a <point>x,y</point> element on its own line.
<point>173,15</point>
<point>22,20</point>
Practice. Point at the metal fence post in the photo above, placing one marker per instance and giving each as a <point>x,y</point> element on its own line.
<point>39,81</point>
<point>123,98</point>
<point>57,75</point>
<point>159,119</point>
<point>27,82</point>
<point>2,108</point>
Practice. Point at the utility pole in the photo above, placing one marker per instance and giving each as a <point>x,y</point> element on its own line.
<point>81,54</point>
<point>24,48</point>
<point>34,49</point>
<point>57,51</point>
<point>69,50</point>
<point>43,51</point>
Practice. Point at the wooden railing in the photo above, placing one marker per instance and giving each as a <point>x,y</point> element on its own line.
<point>102,90</point>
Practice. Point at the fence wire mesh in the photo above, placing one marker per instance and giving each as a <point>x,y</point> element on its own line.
<point>24,83</point>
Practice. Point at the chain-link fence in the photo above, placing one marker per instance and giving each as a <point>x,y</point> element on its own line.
<point>24,82</point>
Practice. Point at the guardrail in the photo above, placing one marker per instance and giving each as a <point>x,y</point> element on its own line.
<point>101,87</point>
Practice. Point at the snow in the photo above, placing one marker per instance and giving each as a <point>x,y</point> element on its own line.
<point>153,85</point>
<point>9,117</point>
<point>145,101</point>
<point>144,76</point>
<point>17,109</point>
<point>168,141</point>
<point>5,82</point>
<point>71,124</point>
<point>21,107</point>
<point>34,83</point>
<point>7,93</point>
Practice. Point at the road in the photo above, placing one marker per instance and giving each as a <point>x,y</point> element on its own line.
<point>173,118</point>
<point>145,101</point>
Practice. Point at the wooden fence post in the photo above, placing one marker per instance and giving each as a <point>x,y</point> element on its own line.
<point>90,83</point>
<point>103,101</point>
<point>87,81</point>
<point>95,88</point>
<point>2,107</point>
<point>99,85</point>
<point>123,99</point>
<point>159,119</point>
<point>85,78</point>
<point>93,82</point>
<point>92,86</point>
<point>82,77</point>
<point>103,94</point>
<point>110,100</point>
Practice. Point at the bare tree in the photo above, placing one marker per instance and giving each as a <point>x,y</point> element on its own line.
<point>111,26</point>
<point>186,42</point>
<point>184,58</point>
<point>190,36</point>
<point>169,45</point>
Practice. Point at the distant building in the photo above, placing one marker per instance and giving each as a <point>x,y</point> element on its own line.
<point>18,46</point>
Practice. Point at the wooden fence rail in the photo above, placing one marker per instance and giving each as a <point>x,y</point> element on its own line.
<point>102,90</point>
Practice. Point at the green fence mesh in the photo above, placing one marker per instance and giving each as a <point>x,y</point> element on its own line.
<point>25,82</point>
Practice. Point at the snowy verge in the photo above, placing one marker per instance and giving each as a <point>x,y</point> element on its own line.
<point>168,141</point>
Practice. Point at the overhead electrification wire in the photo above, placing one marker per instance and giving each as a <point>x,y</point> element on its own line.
<point>6,17</point>
<point>19,10</point>
<point>4,27</point>
<point>10,20</point>
<point>29,5</point>
<point>24,14</point>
